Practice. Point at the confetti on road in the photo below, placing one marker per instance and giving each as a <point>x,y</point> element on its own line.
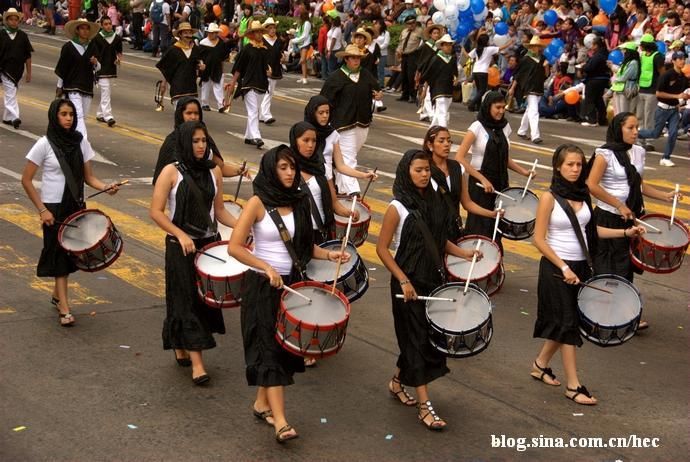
<point>643,363</point>
<point>577,414</point>
<point>93,313</point>
<point>102,277</point>
<point>21,428</point>
<point>389,437</point>
<point>324,420</point>
<point>132,426</point>
<point>524,290</point>
<point>525,313</point>
<point>680,327</point>
<point>126,347</point>
<point>372,269</point>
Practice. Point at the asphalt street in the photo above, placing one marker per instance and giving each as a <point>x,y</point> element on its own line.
<point>106,390</point>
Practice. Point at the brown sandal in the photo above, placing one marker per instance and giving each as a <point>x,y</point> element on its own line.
<point>402,396</point>
<point>282,439</point>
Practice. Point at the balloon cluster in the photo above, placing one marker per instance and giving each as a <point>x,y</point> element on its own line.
<point>461,16</point>
<point>554,51</point>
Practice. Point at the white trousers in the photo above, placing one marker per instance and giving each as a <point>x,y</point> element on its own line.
<point>442,111</point>
<point>211,87</point>
<point>252,102</point>
<point>105,109</point>
<point>351,141</point>
<point>11,106</point>
<point>530,119</point>
<point>427,107</point>
<point>82,102</point>
<point>266,103</point>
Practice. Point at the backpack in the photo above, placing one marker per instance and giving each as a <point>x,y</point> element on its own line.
<point>157,12</point>
<point>195,18</point>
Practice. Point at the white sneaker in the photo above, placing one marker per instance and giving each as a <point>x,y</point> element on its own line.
<point>588,124</point>
<point>304,81</point>
<point>666,163</point>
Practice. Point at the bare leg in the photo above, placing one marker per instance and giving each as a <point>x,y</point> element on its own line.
<point>276,400</point>
<point>261,403</point>
<point>303,63</point>
<point>396,388</point>
<point>549,348</point>
<point>569,365</point>
<point>60,292</point>
<point>197,364</point>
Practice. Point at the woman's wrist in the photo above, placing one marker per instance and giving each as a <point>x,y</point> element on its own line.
<point>564,268</point>
<point>404,281</point>
<point>44,209</point>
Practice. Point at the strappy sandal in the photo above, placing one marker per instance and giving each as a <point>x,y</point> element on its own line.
<point>66,320</point>
<point>545,371</point>
<point>402,396</point>
<point>309,362</point>
<point>282,439</point>
<point>55,302</point>
<point>437,424</point>
<point>581,390</point>
<point>265,415</point>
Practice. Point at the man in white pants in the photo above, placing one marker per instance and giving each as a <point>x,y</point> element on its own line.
<point>531,77</point>
<point>15,54</point>
<point>214,52</point>
<point>275,52</point>
<point>441,72</point>
<point>110,46</point>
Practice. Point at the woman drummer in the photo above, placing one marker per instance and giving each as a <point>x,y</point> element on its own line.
<point>188,109</point>
<point>268,366</point>
<point>192,190</point>
<point>62,153</point>
<point>615,180</point>
<point>563,266</point>
<point>415,271</point>
<point>487,142</point>
<point>448,178</point>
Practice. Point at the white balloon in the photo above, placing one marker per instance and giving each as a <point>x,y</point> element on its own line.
<point>500,40</point>
<point>440,5</point>
<point>438,17</point>
<point>462,4</point>
<point>480,16</point>
<point>451,11</point>
<point>589,38</point>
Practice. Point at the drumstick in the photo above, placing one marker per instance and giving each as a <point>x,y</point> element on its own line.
<point>294,292</point>
<point>211,256</point>
<point>675,203</point>
<point>584,284</point>
<point>107,189</point>
<point>69,225</point>
<point>368,184</point>
<point>431,299</point>
<point>529,178</point>
<point>498,218</point>
<point>344,244</point>
<point>499,193</point>
<point>239,182</point>
<point>474,261</point>
<point>644,223</point>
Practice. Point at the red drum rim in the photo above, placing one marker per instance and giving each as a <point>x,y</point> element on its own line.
<point>668,218</point>
<point>210,276</point>
<point>483,238</point>
<point>73,217</point>
<point>319,285</point>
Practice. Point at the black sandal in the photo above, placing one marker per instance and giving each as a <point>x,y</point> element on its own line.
<point>545,371</point>
<point>263,415</point>
<point>581,390</point>
<point>409,399</point>
<point>279,434</point>
<point>426,406</point>
<point>183,362</point>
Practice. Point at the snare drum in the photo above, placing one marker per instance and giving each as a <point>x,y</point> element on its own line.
<point>233,209</point>
<point>461,328</point>
<point>520,215</point>
<point>488,273</point>
<point>609,319</point>
<point>312,329</point>
<point>354,277</point>
<point>660,252</point>
<point>94,244</point>
<point>360,228</point>
<point>218,283</point>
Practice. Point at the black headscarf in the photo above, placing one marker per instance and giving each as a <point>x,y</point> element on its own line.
<point>67,142</point>
<point>495,164</point>
<point>615,143</point>
<point>270,190</point>
<point>413,256</point>
<point>322,131</point>
<point>313,165</point>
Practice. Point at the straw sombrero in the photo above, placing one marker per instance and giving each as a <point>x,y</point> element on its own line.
<point>255,26</point>
<point>350,51</point>
<point>427,31</point>
<point>363,33</point>
<point>536,42</point>
<point>12,12</point>
<point>213,27</point>
<point>183,26</point>
<point>445,39</point>
<point>270,22</point>
<point>71,28</point>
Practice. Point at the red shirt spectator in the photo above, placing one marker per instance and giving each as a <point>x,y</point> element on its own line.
<point>321,41</point>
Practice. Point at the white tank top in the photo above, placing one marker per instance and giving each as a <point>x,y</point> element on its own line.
<point>269,247</point>
<point>614,179</point>
<point>318,199</point>
<point>402,213</point>
<point>172,198</point>
<point>561,236</point>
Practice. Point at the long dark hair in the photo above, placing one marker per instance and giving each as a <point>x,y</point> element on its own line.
<point>482,42</point>
<point>631,55</point>
<point>431,134</point>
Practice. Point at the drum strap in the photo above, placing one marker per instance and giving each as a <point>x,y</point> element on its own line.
<point>196,193</point>
<point>565,205</point>
<point>429,242</point>
<point>287,240</point>
<point>71,183</point>
<point>314,208</point>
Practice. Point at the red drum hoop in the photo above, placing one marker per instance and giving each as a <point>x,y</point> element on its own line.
<point>488,273</point>
<point>92,242</point>
<point>360,229</point>
<point>218,283</point>
<point>660,252</point>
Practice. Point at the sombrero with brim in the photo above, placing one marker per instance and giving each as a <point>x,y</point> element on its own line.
<point>71,28</point>
<point>427,31</point>
<point>184,26</point>
<point>270,22</point>
<point>213,27</point>
<point>255,26</point>
<point>350,51</point>
<point>536,42</point>
<point>363,33</point>
<point>12,12</point>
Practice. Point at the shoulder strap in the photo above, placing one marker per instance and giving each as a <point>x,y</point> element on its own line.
<point>196,193</point>
<point>314,208</point>
<point>565,205</point>
<point>429,242</point>
<point>77,194</point>
<point>287,240</point>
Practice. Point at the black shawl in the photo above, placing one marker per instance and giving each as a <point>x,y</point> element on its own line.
<point>451,197</point>
<point>322,131</point>
<point>412,255</point>
<point>67,142</point>
<point>269,189</point>
<point>495,164</point>
<point>314,165</point>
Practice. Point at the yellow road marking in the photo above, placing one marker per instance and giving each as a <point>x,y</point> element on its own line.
<point>132,226</point>
<point>150,279</point>
<point>668,185</point>
<point>7,310</point>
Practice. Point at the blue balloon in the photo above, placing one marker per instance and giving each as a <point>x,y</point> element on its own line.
<point>466,15</point>
<point>548,54</point>
<point>600,29</point>
<point>463,29</point>
<point>553,60</point>
<point>550,18</point>
<point>557,43</point>
<point>609,6</point>
<point>661,46</point>
<point>501,28</point>
<point>477,6</point>
<point>616,57</point>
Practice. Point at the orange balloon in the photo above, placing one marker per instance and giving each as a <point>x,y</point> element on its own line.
<point>686,70</point>
<point>328,6</point>
<point>572,97</point>
<point>600,20</point>
<point>217,10</point>
<point>494,77</point>
<point>224,31</point>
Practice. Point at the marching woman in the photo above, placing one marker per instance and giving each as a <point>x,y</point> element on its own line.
<point>447,177</point>
<point>250,79</point>
<point>275,56</point>
<point>192,190</point>
<point>564,265</point>
<point>268,366</point>
<point>64,156</point>
<point>441,72</point>
<point>487,142</point>
<point>110,56</point>
<point>189,110</point>
<point>416,270</point>
<point>615,180</point>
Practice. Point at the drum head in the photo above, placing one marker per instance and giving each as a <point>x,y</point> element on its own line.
<point>92,227</point>
<point>467,313</point>
<point>459,267</point>
<point>670,236</point>
<point>521,210</point>
<point>216,268</point>
<point>325,309</point>
<point>619,308</point>
<point>364,213</point>
<point>324,270</point>
<point>234,209</point>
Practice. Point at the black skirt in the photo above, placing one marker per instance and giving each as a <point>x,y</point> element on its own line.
<point>477,224</point>
<point>189,322</point>
<point>613,255</point>
<point>558,317</point>
<point>54,260</point>
<point>419,362</point>
<point>268,364</point>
